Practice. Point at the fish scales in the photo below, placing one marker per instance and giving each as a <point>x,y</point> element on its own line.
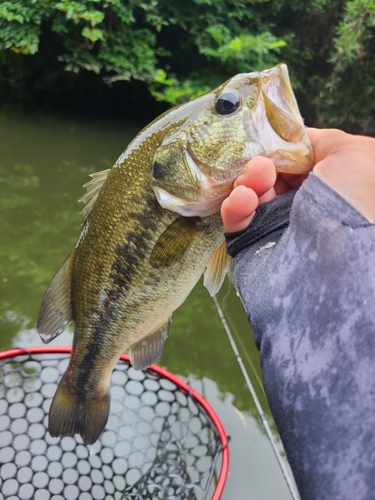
<point>130,226</point>
<point>152,226</point>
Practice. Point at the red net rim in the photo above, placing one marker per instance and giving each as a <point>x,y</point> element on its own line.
<point>163,373</point>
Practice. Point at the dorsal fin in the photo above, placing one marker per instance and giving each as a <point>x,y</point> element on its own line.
<point>93,187</point>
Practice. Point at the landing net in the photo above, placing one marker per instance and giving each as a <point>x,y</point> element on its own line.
<point>162,439</point>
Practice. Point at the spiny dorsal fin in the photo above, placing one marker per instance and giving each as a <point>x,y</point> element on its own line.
<point>174,242</point>
<point>216,269</point>
<point>56,311</point>
<point>93,187</point>
<point>148,350</point>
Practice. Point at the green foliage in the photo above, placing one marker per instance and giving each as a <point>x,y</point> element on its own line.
<point>354,33</point>
<point>20,26</point>
<point>142,40</point>
<point>171,90</point>
<point>352,59</point>
<point>182,49</point>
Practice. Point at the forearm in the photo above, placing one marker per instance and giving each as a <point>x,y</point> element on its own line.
<point>309,298</point>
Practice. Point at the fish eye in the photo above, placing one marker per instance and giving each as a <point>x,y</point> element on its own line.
<point>227,102</point>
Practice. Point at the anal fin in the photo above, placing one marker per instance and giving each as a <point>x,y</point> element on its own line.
<point>148,350</point>
<point>56,311</point>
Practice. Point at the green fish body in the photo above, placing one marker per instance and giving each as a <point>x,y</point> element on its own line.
<point>152,227</point>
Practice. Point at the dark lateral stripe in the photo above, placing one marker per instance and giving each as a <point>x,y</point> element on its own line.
<point>136,245</point>
<point>95,349</point>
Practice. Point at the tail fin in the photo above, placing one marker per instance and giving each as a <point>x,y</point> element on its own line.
<point>71,414</point>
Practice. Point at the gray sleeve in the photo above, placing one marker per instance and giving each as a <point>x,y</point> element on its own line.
<point>309,293</point>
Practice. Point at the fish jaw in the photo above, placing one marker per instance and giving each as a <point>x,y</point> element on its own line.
<point>279,124</point>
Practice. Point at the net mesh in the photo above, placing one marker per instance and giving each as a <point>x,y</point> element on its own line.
<point>159,443</point>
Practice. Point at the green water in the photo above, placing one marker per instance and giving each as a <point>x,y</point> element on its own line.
<point>43,163</point>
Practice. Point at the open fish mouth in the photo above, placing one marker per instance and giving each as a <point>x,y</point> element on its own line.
<point>280,104</point>
<point>288,145</point>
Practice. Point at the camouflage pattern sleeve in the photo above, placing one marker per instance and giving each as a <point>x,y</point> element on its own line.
<point>305,271</point>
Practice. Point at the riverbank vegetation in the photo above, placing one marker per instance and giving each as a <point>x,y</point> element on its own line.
<point>137,57</point>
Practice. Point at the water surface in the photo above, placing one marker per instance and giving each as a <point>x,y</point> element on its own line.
<point>43,163</point>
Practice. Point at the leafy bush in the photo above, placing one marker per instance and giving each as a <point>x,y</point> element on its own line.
<point>181,49</point>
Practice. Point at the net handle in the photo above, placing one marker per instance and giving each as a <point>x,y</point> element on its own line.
<point>165,374</point>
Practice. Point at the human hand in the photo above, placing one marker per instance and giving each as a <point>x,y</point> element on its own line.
<point>347,164</point>
<point>344,162</point>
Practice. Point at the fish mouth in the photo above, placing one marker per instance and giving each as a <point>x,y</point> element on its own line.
<point>280,104</point>
<point>290,149</point>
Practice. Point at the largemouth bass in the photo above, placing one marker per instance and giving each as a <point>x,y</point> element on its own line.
<point>152,227</point>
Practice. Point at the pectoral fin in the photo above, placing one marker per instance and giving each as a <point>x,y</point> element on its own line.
<point>56,310</point>
<point>174,242</point>
<point>147,351</point>
<point>216,269</point>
